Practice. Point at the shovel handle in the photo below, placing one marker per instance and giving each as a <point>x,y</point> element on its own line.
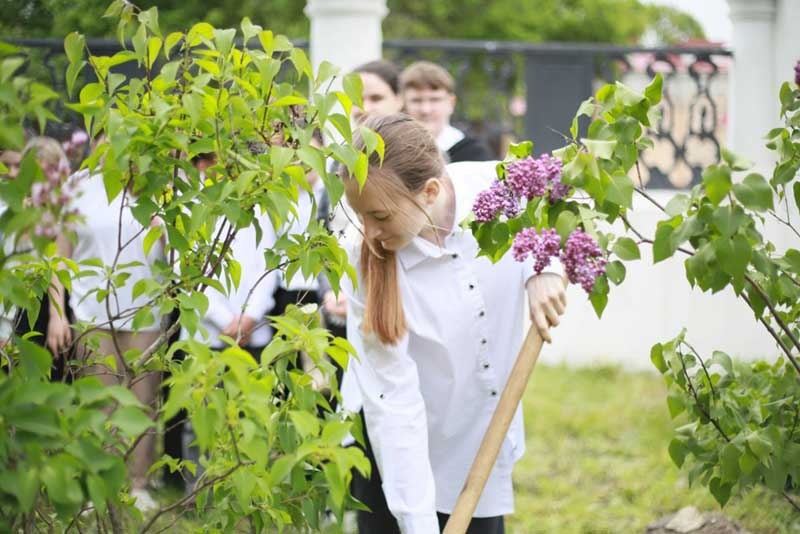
<point>495,434</point>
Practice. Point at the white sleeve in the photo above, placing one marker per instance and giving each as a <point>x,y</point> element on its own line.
<point>263,298</point>
<point>218,312</point>
<point>554,267</point>
<point>396,422</point>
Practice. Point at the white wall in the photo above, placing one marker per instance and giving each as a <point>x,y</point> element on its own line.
<point>652,305</point>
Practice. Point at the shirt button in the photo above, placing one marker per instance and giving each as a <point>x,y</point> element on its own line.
<point>483,341</point>
<point>472,286</point>
<point>482,313</point>
<point>486,365</point>
<point>494,393</point>
<point>455,256</point>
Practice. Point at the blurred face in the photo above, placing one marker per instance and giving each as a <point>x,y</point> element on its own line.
<point>11,159</point>
<point>431,107</point>
<point>379,99</point>
<point>392,222</point>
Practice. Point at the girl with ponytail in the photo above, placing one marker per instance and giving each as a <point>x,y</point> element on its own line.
<point>437,330</point>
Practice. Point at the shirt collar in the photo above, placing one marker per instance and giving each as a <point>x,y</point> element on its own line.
<point>448,137</point>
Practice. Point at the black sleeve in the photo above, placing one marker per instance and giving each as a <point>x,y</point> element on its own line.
<point>470,149</point>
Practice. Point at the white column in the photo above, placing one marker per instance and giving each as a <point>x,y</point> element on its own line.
<point>754,103</point>
<point>346,33</point>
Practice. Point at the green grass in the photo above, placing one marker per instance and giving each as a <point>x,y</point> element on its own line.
<point>597,460</point>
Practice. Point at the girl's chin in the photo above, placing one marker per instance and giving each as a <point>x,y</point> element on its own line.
<point>393,244</point>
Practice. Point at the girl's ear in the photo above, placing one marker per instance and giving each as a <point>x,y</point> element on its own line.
<point>431,190</point>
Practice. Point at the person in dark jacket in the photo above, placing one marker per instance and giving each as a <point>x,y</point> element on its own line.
<point>428,93</point>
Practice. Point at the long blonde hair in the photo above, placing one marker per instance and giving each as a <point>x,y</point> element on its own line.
<point>411,157</point>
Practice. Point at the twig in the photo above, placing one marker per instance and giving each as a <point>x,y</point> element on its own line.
<point>774,312</point>
<point>786,222</point>
<point>705,369</point>
<point>195,491</point>
<point>792,501</point>
<point>775,336</point>
<point>699,404</point>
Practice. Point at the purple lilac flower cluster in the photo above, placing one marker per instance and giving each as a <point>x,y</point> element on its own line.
<point>797,73</point>
<point>542,245</point>
<point>492,201</point>
<point>527,178</point>
<point>531,178</point>
<point>582,258</point>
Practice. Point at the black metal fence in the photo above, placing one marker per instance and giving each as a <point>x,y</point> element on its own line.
<point>531,91</point>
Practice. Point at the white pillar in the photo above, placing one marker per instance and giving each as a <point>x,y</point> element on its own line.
<point>346,33</point>
<point>754,102</point>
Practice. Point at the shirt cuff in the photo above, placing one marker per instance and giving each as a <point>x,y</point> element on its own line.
<point>554,267</point>
<point>419,524</point>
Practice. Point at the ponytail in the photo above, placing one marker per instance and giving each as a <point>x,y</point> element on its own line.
<point>383,311</point>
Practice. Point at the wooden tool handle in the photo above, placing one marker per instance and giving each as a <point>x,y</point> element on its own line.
<point>495,434</point>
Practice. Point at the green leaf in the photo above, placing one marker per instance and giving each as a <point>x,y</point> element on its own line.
<point>289,100</point>
<point>354,88</point>
<point>735,162</point>
<point>615,270</point>
<point>600,149</point>
<point>675,404</point>
<point>280,468</point>
<point>733,255</point>
<point>599,295</point>
<point>620,190</point>
<point>721,491</point>
<point>677,205</point>
<point>717,181</point>
<point>153,48</point>
<point>74,43</point>
<point>566,223</point>
<point>626,96</point>
<point>307,424</point>
<point>729,463</point>
<point>521,150</point>
<point>60,478</point>
<point>586,108</point>
<point>301,63</point>
<point>626,249</point>
<point>754,192</point>
<point>249,30</point>
<point>759,446</point>
<point>131,420</point>
<point>153,235</point>
<point>170,42</point>
<point>678,451</point>
<point>728,219</point>
<point>224,40</point>
<point>796,188</point>
<point>723,360</point>
<point>653,91</point>
<point>36,360</point>
<point>657,357</point>
<point>662,246</point>
<point>22,483</point>
<point>748,462</point>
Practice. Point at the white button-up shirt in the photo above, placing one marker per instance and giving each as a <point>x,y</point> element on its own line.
<point>428,400</point>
